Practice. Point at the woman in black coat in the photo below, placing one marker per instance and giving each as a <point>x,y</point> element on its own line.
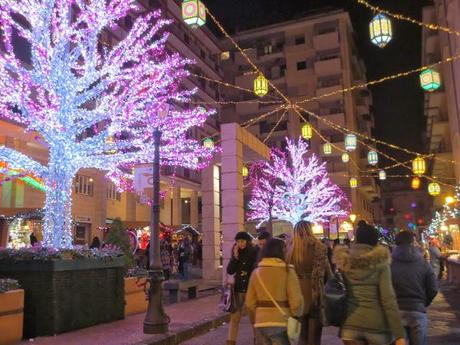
<point>241,265</point>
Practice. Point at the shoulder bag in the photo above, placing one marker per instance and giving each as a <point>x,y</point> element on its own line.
<point>335,300</point>
<point>228,301</point>
<point>293,325</point>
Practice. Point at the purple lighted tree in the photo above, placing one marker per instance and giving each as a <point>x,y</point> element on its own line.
<point>293,187</point>
<point>93,106</point>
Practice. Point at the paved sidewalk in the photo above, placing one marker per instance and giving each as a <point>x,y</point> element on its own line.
<point>189,319</point>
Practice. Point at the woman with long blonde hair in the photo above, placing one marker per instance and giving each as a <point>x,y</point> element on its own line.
<point>309,257</point>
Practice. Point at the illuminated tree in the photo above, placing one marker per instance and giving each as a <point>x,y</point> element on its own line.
<point>93,106</point>
<point>295,187</point>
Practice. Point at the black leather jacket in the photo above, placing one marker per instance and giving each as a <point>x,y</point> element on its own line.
<point>243,267</point>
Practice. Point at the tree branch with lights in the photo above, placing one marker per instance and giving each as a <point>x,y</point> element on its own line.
<point>295,186</point>
<point>93,106</point>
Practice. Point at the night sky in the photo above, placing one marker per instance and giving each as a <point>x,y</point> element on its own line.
<point>398,104</point>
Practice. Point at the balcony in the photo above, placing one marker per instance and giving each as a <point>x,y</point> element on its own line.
<point>369,186</point>
<point>435,99</point>
<point>328,67</point>
<point>338,119</point>
<point>326,41</point>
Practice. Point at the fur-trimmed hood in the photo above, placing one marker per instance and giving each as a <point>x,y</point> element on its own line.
<point>361,259</point>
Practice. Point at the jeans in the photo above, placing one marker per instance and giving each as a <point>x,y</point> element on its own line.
<point>272,336</point>
<point>352,337</point>
<point>186,270</point>
<point>415,324</point>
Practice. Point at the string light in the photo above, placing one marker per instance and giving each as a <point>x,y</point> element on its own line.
<point>275,126</point>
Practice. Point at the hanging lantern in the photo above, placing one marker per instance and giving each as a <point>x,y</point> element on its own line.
<point>380,30</point>
<point>415,183</point>
<point>307,131</point>
<point>434,189</point>
<point>194,13</point>
<point>208,143</point>
<point>353,182</point>
<point>350,142</point>
<point>327,149</point>
<point>430,80</point>
<point>110,141</point>
<point>372,158</point>
<point>418,166</point>
<point>260,86</point>
<point>382,175</point>
<point>245,171</point>
<point>345,157</point>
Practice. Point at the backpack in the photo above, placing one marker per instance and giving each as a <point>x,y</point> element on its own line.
<point>335,300</point>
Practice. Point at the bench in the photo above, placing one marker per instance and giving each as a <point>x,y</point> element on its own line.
<point>175,286</point>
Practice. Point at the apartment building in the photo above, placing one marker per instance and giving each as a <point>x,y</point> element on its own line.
<point>442,106</point>
<point>181,187</point>
<point>305,58</point>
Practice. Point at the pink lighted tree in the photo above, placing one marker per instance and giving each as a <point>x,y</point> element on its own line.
<point>293,187</point>
<point>93,106</point>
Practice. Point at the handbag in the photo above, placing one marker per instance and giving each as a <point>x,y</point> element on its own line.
<point>293,325</point>
<point>228,301</point>
<point>335,300</point>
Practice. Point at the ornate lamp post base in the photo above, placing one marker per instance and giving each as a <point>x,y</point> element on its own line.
<point>156,321</point>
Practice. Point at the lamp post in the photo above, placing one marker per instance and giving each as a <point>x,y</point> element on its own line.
<point>156,321</point>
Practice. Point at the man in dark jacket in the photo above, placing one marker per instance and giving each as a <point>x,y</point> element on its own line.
<point>241,265</point>
<point>415,285</point>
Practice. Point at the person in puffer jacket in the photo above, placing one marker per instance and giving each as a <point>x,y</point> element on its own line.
<point>415,285</point>
<point>372,315</point>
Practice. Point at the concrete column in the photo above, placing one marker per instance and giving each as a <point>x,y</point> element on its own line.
<point>210,191</point>
<point>194,209</point>
<point>232,186</point>
<point>176,207</point>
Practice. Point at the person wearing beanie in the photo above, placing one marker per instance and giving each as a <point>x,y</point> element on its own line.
<point>372,315</point>
<point>415,285</point>
<point>241,265</point>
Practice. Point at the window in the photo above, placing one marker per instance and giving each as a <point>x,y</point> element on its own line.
<point>283,70</point>
<point>268,49</point>
<point>301,65</point>
<point>112,192</point>
<point>299,40</point>
<point>84,185</point>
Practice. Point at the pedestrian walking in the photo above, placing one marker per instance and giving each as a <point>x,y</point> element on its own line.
<point>165,260</point>
<point>309,257</point>
<point>186,258</point>
<point>241,265</point>
<point>262,237</point>
<point>415,286</point>
<point>273,280</point>
<point>372,314</point>
<point>434,252</point>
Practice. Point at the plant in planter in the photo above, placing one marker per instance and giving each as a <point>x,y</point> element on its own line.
<point>119,237</point>
<point>11,311</point>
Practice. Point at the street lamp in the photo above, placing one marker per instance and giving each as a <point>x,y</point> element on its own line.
<point>156,321</point>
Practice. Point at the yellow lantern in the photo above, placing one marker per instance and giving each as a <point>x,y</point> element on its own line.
<point>260,86</point>
<point>208,143</point>
<point>350,142</point>
<point>380,30</point>
<point>415,184</point>
<point>353,182</point>
<point>245,171</point>
<point>327,149</point>
<point>434,189</point>
<point>194,13</point>
<point>345,157</point>
<point>307,131</point>
<point>418,166</point>
<point>382,175</point>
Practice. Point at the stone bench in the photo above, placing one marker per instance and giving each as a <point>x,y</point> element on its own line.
<point>175,286</point>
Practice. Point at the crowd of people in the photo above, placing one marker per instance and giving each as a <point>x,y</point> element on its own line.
<point>388,289</point>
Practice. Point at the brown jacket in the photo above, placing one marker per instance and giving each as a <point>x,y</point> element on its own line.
<point>282,283</point>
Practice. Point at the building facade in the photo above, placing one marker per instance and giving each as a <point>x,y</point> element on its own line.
<point>304,59</point>
<point>442,106</point>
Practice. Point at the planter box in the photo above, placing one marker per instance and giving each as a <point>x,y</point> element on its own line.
<point>64,295</point>
<point>135,301</point>
<point>11,316</point>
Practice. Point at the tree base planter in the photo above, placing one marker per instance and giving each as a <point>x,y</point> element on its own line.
<point>135,300</point>
<point>11,317</point>
<point>64,295</point>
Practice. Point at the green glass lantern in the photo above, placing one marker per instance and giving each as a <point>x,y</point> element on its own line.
<point>209,143</point>
<point>351,142</point>
<point>430,80</point>
<point>194,13</point>
<point>382,175</point>
<point>380,30</point>
<point>372,158</point>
